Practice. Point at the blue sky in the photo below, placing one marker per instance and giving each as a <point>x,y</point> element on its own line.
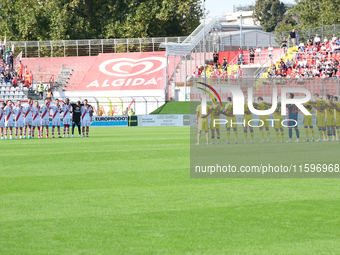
<point>223,6</point>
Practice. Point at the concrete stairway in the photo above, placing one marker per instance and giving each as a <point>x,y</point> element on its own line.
<point>62,79</point>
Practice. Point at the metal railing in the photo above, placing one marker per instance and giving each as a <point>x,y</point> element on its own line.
<point>45,79</point>
<point>91,47</point>
<point>234,60</point>
<point>245,59</point>
<point>231,41</point>
<point>304,56</point>
<point>194,39</point>
<point>309,33</point>
<point>263,68</point>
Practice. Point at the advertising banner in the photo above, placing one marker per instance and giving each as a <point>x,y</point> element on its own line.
<point>110,121</point>
<point>126,71</point>
<point>175,120</point>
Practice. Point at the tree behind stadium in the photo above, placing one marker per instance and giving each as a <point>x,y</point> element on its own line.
<point>91,19</point>
<point>314,13</point>
<point>269,13</point>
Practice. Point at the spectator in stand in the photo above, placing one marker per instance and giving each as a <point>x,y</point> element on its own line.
<point>258,53</point>
<point>292,36</point>
<point>309,42</point>
<point>270,50</point>
<point>14,82</point>
<point>301,45</point>
<point>240,55</point>
<point>329,71</point>
<point>335,48</point>
<point>284,45</point>
<point>289,64</point>
<point>125,113</point>
<point>215,72</point>
<point>239,72</point>
<point>215,57</point>
<point>325,40</point>
<point>26,73</point>
<point>1,50</point>
<point>2,68</point>
<point>8,77</point>
<point>197,71</point>
<point>317,40</point>
<point>49,94</point>
<point>334,38</point>
<point>239,61</point>
<point>11,60</point>
<point>251,56</point>
<point>28,79</point>
<point>224,74</point>
<point>224,64</point>
<point>313,62</point>
<point>20,68</point>
<point>7,55</point>
<point>329,48</point>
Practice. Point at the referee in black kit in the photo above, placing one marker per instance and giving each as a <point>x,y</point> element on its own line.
<point>76,114</point>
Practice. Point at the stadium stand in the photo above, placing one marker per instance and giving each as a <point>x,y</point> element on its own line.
<point>62,73</point>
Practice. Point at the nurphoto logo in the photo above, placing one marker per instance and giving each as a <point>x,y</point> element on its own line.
<point>239,100</point>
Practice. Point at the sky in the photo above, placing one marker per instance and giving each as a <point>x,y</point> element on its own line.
<point>222,6</point>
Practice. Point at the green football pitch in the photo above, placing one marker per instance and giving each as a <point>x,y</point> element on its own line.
<point>129,191</point>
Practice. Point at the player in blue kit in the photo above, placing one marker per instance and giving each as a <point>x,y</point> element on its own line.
<point>293,120</point>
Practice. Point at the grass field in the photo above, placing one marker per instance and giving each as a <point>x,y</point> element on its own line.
<point>175,107</point>
<point>128,191</point>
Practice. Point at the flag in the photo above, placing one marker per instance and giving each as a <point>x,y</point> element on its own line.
<point>5,41</point>
<point>131,103</point>
<point>18,58</point>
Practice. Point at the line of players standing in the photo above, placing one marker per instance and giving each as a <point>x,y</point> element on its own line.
<point>327,120</point>
<point>28,117</point>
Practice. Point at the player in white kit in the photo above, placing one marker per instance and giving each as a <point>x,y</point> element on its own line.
<point>28,117</point>
<point>19,119</point>
<point>85,118</point>
<point>2,119</point>
<point>36,119</point>
<point>45,115</point>
<point>56,117</point>
<point>9,119</point>
<point>67,109</point>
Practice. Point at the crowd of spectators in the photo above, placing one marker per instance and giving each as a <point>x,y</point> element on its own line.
<point>13,75</point>
<point>213,71</point>
<point>315,59</point>
<point>218,71</point>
